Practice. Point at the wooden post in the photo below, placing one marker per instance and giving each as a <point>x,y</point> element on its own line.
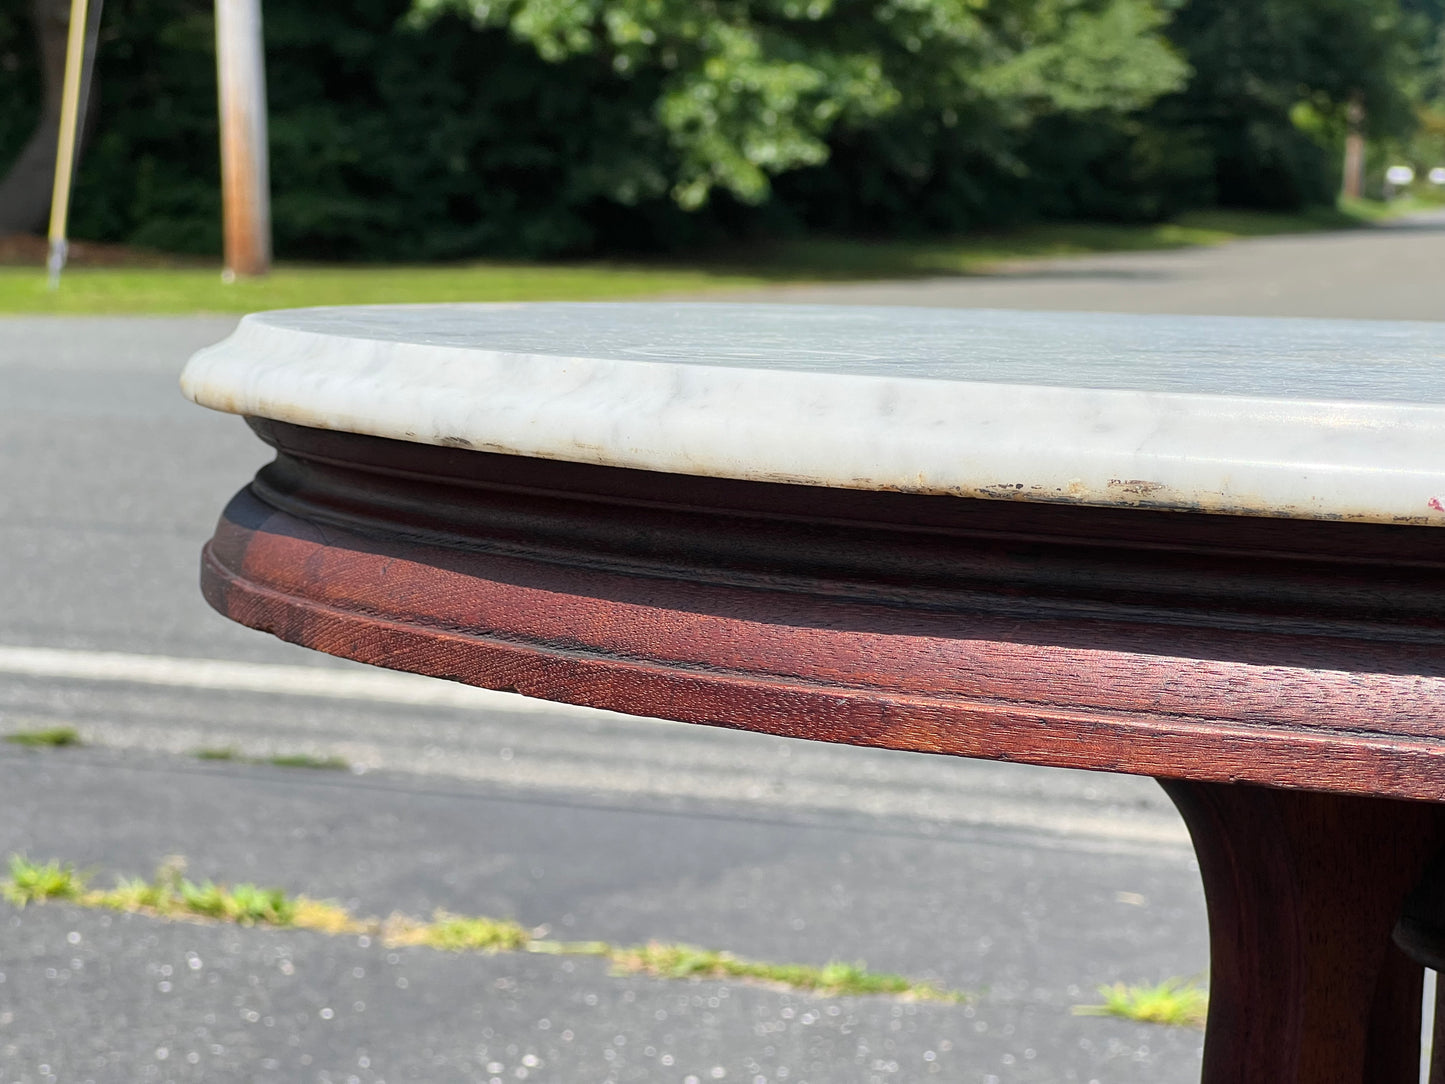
<point>245,171</point>
<point>1352,184</point>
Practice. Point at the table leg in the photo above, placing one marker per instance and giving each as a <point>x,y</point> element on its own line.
<point>1303,890</point>
<point>1437,1046</point>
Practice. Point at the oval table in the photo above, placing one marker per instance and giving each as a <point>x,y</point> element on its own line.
<point>1207,550</point>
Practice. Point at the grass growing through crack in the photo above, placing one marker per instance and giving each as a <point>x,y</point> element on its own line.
<point>34,882</point>
<point>1175,1002</point>
<point>280,760</point>
<point>688,962</point>
<point>306,760</point>
<point>169,894</point>
<point>53,738</point>
<point>463,933</point>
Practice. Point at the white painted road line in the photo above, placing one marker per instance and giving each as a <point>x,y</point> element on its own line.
<point>223,675</point>
<point>551,751</point>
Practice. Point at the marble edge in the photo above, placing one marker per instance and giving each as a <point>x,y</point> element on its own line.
<point>1324,459</point>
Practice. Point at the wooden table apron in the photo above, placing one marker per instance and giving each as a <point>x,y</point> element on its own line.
<point>1285,678</point>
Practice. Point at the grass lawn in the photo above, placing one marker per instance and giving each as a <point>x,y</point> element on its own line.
<point>196,289</point>
<point>190,287</point>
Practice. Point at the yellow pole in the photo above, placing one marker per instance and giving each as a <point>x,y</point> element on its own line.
<point>69,128</point>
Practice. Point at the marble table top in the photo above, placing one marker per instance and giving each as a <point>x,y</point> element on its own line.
<point>1313,419</point>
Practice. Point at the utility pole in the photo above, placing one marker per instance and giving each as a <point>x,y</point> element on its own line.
<point>245,169</point>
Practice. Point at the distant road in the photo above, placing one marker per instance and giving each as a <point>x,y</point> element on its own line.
<point>1391,272</point>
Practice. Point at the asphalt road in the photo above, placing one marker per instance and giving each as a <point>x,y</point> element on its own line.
<point>1390,272</point>
<point>1025,887</point>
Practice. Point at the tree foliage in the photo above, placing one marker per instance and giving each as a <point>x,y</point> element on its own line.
<point>19,76</point>
<point>1274,80</point>
<point>749,89</point>
<point>424,129</point>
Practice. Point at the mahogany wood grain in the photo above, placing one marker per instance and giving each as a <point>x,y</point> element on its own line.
<point>1285,678</point>
<point>1437,1046</point>
<point>1308,655</point>
<point>1303,891</point>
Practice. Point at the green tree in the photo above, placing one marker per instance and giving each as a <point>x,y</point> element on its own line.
<point>32,62</point>
<point>1273,85</point>
<point>746,90</point>
<point>424,129</point>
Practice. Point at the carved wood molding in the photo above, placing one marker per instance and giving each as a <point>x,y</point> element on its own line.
<point>1288,653</point>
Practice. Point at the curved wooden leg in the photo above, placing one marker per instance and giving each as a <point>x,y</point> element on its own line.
<point>1303,890</point>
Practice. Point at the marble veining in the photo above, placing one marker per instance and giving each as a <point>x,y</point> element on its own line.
<point>1319,419</point>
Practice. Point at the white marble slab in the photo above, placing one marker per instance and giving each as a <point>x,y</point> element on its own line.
<point>1317,419</point>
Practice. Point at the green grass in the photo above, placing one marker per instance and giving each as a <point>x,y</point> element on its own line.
<point>246,904</point>
<point>189,288</point>
<point>463,933</point>
<point>306,760</point>
<point>53,738</point>
<point>1369,210</point>
<point>833,980</point>
<point>1350,214</point>
<point>170,895</point>
<point>843,259</point>
<point>821,258</point>
<point>34,882</point>
<point>1174,1002</point>
<point>280,760</point>
<point>192,289</point>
